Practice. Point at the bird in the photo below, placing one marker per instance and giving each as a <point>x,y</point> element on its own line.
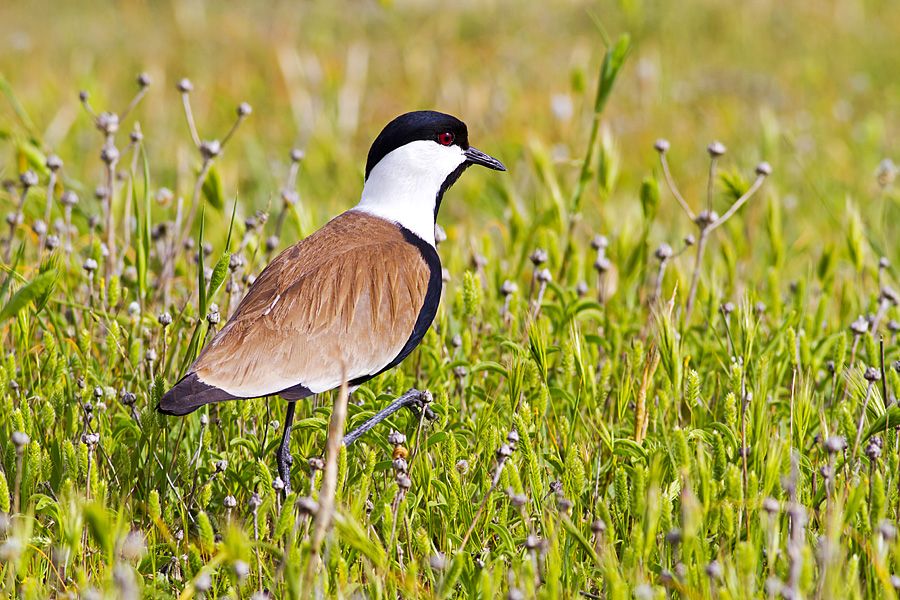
<point>353,299</point>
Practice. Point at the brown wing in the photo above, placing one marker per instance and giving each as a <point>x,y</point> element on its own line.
<point>350,293</point>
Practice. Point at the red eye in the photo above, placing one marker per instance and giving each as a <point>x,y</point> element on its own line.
<point>445,138</point>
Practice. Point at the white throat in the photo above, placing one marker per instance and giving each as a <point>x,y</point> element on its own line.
<point>404,185</point>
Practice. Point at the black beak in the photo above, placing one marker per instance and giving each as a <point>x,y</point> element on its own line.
<point>477,157</point>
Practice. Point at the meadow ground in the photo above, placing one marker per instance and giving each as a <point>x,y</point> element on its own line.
<point>628,403</point>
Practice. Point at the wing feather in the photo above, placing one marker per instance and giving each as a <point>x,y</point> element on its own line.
<point>350,293</point>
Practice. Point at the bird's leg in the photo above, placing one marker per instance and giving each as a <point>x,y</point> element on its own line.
<point>284,450</point>
<point>413,399</point>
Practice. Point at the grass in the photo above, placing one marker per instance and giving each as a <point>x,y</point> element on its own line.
<point>600,428</point>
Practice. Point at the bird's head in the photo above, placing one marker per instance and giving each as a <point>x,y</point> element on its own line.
<point>412,162</point>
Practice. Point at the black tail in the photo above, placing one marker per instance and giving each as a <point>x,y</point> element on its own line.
<point>188,395</point>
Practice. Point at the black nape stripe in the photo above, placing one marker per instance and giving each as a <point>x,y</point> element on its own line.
<point>414,126</point>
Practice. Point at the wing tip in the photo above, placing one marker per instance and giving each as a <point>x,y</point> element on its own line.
<point>188,395</point>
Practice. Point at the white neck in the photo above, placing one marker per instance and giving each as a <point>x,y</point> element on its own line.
<point>404,185</point>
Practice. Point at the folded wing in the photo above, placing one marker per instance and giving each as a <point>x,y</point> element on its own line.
<point>344,300</point>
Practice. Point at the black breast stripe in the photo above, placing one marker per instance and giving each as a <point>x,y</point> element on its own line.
<point>429,306</point>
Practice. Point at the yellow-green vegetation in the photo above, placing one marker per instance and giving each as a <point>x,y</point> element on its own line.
<point>628,404</point>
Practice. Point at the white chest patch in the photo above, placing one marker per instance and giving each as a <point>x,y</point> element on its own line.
<point>404,185</point>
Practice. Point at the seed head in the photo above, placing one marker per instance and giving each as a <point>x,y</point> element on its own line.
<point>185,86</point>
<point>859,326</point>
<point>150,356</point>
<point>663,252</point>
<point>714,570</point>
<point>52,242</point>
<point>599,242</point>
<point>133,546</point>
<point>230,501</point>
<point>83,95</point>
<point>601,265</point>
<point>69,198</point>
<point>716,149</point>
<point>532,542</point>
<point>538,257</point>
<point>886,172</point>
<point>770,505</point>
<point>764,169</point>
<point>244,109</point>
<point>39,227</point>
<point>271,243</point>
<point>54,163</point>
<point>136,136</point>
<point>399,465</point>
<point>872,374</point>
<point>544,276</point>
<point>255,501</point>
<point>221,466</point>
<point>890,295</point>
<point>297,155</point>
<point>90,265</point>
<point>518,500</point>
<point>28,179</point>
<point>661,145</point>
<point>144,80</point>
<point>437,562</point>
<point>873,448</point>
<point>403,482</point>
<point>462,466</point>
<point>20,439</point>
<point>395,438</point>
<point>513,437</point>
<point>109,154</point>
<point>241,570</point>
<point>108,123</point>
<point>895,582</point>
<point>883,262</point>
<point>127,398</point>
<point>316,464</point>
<point>235,262</point>
<point>581,288</point>
<point>727,308</point>
<point>278,484</point>
<point>835,444</point>
<point>504,452</point>
<point>90,439</point>
<point>887,530</point>
<point>706,218</point>
<point>598,526</point>
<point>689,240</point>
<point>203,582</point>
<point>210,149</point>
<point>674,536</point>
<point>564,505</point>
<point>164,319</point>
<point>515,593</point>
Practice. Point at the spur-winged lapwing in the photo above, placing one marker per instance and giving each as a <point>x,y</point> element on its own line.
<point>355,297</point>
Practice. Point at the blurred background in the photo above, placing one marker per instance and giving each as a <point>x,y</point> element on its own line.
<point>812,87</point>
